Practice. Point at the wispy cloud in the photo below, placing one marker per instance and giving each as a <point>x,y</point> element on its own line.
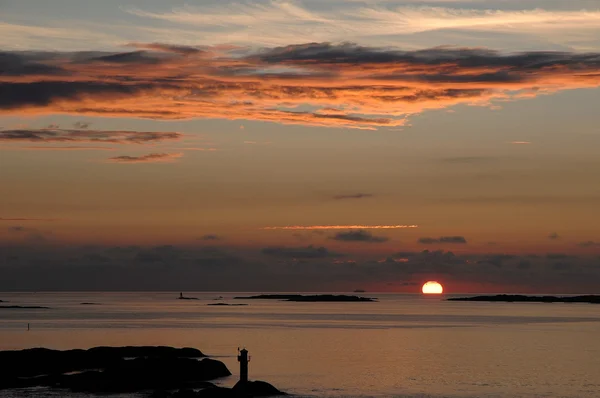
<point>332,227</point>
<point>54,135</point>
<point>150,158</point>
<point>520,142</point>
<point>65,148</point>
<point>282,22</point>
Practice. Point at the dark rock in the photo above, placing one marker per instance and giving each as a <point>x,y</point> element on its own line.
<point>216,392</point>
<point>227,304</point>
<point>187,298</point>
<point>310,298</point>
<point>512,298</point>
<point>185,393</point>
<point>109,369</point>
<point>255,389</point>
<point>89,304</point>
<point>23,307</point>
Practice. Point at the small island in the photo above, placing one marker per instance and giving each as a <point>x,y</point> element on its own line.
<point>182,297</point>
<point>308,298</point>
<point>23,307</point>
<point>518,298</point>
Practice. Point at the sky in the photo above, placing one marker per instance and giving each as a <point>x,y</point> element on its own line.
<point>300,145</point>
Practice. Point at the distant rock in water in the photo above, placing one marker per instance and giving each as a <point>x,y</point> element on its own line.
<point>308,298</point>
<point>246,389</point>
<point>89,303</point>
<point>23,307</point>
<point>517,298</point>
<point>182,297</point>
<point>227,304</point>
<point>255,389</point>
<point>109,369</point>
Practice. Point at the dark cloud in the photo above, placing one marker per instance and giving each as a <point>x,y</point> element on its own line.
<point>89,136</point>
<point>159,254</point>
<point>150,158</point>
<point>307,252</point>
<point>558,256</point>
<point>173,48</point>
<point>553,236</point>
<point>210,237</point>
<point>26,219</point>
<point>24,64</point>
<point>30,235</point>
<point>42,94</point>
<point>80,125</point>
<point>359,235</point>
<point>132,57</point>
<point>443,239</point>
<point>348,53</point>
<point>469,159</point>
<point>41,266</point>
<point>353,196</point>
<point>498,260</point>
<point>16,228</point>
<point>589,243</point>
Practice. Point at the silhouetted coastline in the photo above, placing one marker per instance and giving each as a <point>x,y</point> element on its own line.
<point>161,371</point>
<point>517,298</point>
<point>308,298</point>
<point>23,307</point>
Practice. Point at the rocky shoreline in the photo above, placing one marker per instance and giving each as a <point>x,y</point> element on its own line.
<point>158,371</point>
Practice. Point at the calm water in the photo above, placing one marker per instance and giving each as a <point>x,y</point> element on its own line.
<point>404,345</point>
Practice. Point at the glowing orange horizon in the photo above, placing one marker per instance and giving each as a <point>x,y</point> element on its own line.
<point>316,227</point>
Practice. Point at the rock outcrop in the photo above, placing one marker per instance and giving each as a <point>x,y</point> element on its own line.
<point>109,369</point>
<point>308,298</point>
<point>517,298</point>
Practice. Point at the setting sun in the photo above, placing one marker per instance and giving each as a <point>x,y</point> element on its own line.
<point>432,287</point>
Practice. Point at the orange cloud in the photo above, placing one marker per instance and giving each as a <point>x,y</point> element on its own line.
<point>316,84</point>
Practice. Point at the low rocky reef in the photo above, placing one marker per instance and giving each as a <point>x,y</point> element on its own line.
<point>23,307</point>
<point>242,389</point>
<point>517,298</point>
<point>159,371</point>
<point>308,298</point>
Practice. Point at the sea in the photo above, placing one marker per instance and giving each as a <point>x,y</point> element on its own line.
<point>403,345</point>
